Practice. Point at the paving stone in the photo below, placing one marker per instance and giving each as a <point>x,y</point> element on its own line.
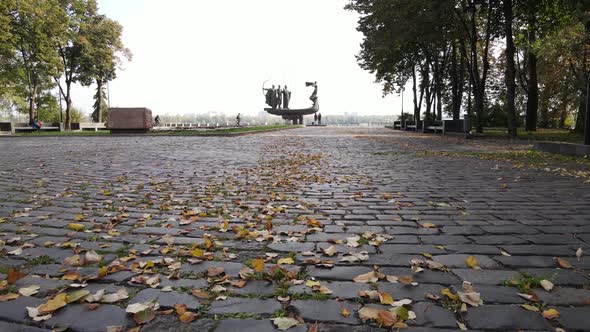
<point>525,261</point>
<point>538,250</point>
<point>167,300</point>
<point>426,276</point>
<point>79,318</point>
<point>326,311</point>
<point>170,323</point>
<point>292,246</point>
<point>565,296</point>
<point>559,276</point>
<point>338,273</point>
<point>458,260</point>
<point>472,249</point>
<point>15,310</point>
<point>485,277</point>
<point>432,315</point>
<point>240,305</point>
<point>503,317</point>
<point>573,319</point>
<point>12,327</point>
<point>496,294</point>
<point>252,325</point>
<point>46,285</point>
<point>444,239</point>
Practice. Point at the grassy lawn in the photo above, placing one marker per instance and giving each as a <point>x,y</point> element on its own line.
<point>221,131</point>
<point>560,135</point>
<point>208,132</point>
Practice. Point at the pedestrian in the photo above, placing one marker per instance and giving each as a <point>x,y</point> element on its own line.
<point>315,118</point>
<point>238,118</point>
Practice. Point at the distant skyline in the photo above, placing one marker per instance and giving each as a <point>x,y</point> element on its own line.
<point>202,56</point>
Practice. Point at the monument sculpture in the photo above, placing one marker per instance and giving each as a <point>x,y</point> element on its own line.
<point>278,99</point>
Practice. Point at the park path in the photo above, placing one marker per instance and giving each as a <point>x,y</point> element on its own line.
<point>352,228</point>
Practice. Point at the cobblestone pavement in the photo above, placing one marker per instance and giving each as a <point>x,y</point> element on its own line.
<point>351,228</point>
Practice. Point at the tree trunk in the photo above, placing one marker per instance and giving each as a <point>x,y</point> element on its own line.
<point>581,118</point>
<point>416,109</point>
<point>478,94</point>
<point>99,100</point>
<point>68,124</point>
<point>454,82</point>
<point>32,104</point>
<point>532,104</point>
<point>510,70</point>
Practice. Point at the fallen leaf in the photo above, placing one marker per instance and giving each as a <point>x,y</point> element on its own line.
<point>76,227</point>
<point>330,251</point>
<point>471,298</point>
<point>59,301</point>
<point>563,263</point>
<point>28,291</point>
<point>386,318</point>
<point>120,295</point>
<point>200,294</point>
<point>344,312</point>
<point>312,283</point>
<point>547,285</point>
<point>8,297</point>
<point>258,264</point>
<point>579,253</point>
<point>447,292</point>
<point>286,261</point>
<point>366,313</point>
<point>213,271</point>
<point>285,323</point>
<point>144,316</point>
<point>428,225</point>
<point>75,296</point>
<point>461,326</point>
<point>530,307</point>
<point>471,262</point>
<point>385,298</point>
<point>366,278</point>
<point>550,314</point>
<point>313,328</point>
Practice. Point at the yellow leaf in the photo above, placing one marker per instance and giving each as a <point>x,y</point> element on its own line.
<point>428,225</point>
<point>76,227</point>
<point>258,264</point>
<point>550,314</point>
<point>52,305</point>
<point>385,298</point>
<point>427,255</point>
<point>447,292</point>
<point>79,217</point>
<point>75,296</point>
<point>344,312</point>
<point>286,261</point>
<point>197,252</point>
<point>311,283</point>
<point>471,261</point>
<point>102,272</point>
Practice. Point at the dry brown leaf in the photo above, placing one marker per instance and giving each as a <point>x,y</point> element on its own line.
<point>547,285</point>
<point>8,297</point>
<point>564,264</point>
<point>313,328</point>
<point>385,298</point>
<point>366,278</point>
<point>214,271</point>
<point>579,253</point>
<point>258,264</point>
<point>344,312</point>
<point>330,251</point>
<point>59,301</point>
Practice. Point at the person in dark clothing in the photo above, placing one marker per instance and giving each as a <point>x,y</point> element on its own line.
<point>319,118</point>
<point>36,124</point>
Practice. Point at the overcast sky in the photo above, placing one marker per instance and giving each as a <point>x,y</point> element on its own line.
<point>194,56</point>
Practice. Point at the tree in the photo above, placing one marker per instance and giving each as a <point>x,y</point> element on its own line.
<point>34,26</point>
<point>101,58</point>
<point>70,47</point>
<point>510,70</point>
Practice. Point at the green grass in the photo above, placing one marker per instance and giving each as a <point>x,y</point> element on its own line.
<point>222,131</point>
<point>559,135</point>
<point>208,132</point>
<point>65,133</point>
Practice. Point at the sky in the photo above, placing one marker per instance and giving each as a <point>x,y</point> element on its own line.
<point>198,56</point>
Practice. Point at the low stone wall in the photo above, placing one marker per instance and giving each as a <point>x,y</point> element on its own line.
<point>569,149</point>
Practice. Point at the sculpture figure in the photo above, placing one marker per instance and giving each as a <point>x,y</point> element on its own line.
<point>279,97</point>
<point>286,98</point>
<point>271,97</point>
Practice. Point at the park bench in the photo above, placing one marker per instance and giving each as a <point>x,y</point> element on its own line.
<point>435,126</point>
<point>23,127</point>
<point>89,126</point>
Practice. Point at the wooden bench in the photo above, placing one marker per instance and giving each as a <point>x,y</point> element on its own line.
<point>436,126</point>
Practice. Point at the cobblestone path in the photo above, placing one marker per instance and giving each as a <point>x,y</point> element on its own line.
<point>348,228</point>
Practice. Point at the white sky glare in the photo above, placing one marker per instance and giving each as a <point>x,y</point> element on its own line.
<point>195,56</point>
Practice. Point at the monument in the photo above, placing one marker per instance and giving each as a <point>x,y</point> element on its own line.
<point>278,100</point>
